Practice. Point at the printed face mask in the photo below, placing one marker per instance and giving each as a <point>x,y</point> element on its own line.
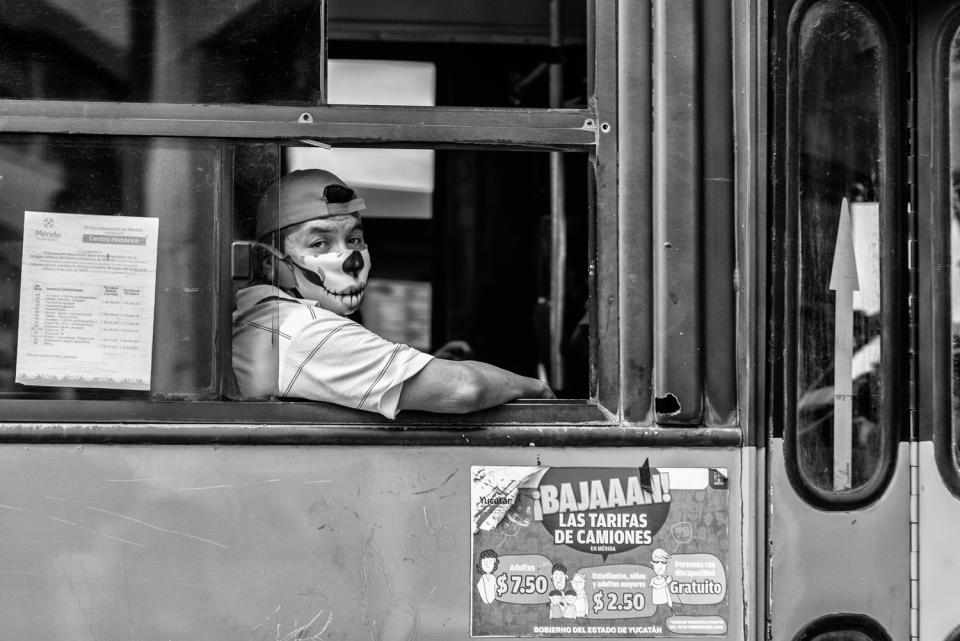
<point>335,280</point>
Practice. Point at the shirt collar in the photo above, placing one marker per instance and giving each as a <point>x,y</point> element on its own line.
<point>248,297</point>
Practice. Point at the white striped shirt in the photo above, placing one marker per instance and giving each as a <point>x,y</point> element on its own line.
<point>288,347</point>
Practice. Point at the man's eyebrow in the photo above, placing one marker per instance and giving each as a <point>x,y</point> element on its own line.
<point>324,226</point>
<point>320,228</point>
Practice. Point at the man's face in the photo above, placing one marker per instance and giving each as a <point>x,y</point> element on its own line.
<point>330,251</point>
<point>659,567</point>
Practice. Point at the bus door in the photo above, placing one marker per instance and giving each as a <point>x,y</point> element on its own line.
<point>839,452</point>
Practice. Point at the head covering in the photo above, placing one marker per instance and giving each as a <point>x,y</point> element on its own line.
<point>303,195</point>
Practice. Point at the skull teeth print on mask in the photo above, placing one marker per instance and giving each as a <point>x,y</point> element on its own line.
<point>335,280</point>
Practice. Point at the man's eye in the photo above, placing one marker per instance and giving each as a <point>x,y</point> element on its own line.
<point>319,244</point>
<point>355,242</point>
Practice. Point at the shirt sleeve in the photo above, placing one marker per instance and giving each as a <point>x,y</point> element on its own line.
<point>339,361</point>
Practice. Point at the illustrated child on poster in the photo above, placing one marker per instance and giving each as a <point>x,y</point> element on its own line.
<point>556,604</point>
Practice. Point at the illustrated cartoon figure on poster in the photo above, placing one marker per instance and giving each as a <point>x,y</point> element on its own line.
<point>660,584</point>
<point>580,604</point>
<point>569,607</point>
<point>556,604</point>
<point>559,575</point>
<point>487,584</point>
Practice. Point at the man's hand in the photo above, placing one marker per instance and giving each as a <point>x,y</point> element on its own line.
<point>545,391</point>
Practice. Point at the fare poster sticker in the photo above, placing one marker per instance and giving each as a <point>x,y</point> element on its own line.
<point>86,301</point>
<point>599,552</point>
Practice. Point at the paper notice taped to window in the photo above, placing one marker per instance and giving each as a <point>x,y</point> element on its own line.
<point>87,294</point>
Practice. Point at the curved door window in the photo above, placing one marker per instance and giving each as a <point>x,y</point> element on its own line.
<point>843,627</point>
<point>841,211</point>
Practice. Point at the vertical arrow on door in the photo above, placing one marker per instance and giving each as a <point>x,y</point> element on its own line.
<point>843,281</point>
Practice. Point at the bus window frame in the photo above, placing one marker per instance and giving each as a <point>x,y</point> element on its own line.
<point>591,130</point>
<point>935,394</point>
<point>859,623</point>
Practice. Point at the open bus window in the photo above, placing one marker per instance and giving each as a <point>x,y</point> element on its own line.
<point>496,53</point>
<point>458,249</point>
<point>110,259</point>
<point>107,267</point>
<point>841,205</point>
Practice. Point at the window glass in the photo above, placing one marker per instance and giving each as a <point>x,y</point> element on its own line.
<point>496,53</point>
<point>176,51</point>
<point>840,205</point>
<point>493,53</point>
<point>381,82</point>
<point>954,98</point>
<point>458,245</point>
<point>108,267</point>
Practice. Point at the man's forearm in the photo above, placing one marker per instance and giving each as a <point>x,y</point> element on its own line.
<point>466,386</point>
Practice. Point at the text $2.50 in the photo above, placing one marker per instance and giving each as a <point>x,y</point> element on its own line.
<point>628,602</point>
